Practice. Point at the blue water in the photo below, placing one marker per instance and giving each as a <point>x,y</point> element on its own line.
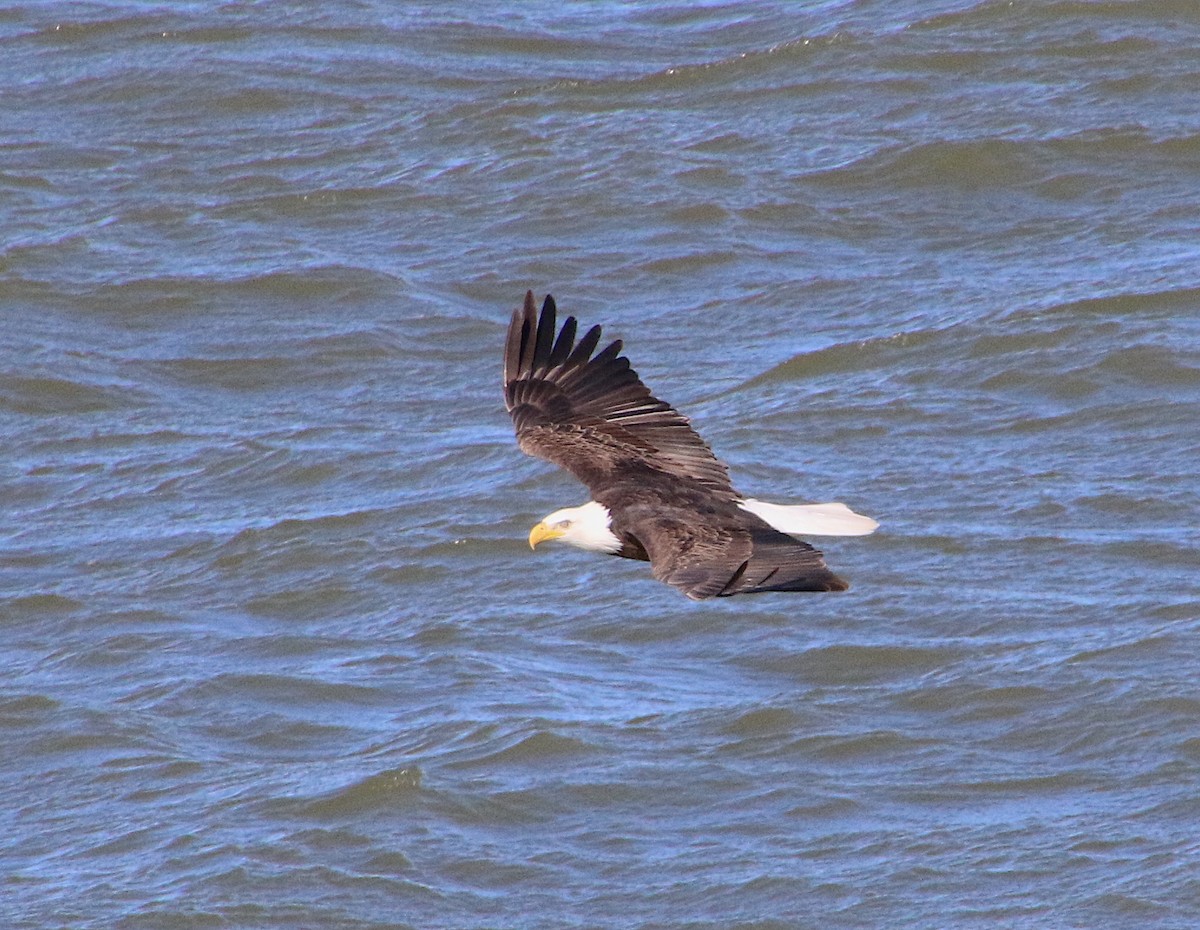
<point>275,650</point>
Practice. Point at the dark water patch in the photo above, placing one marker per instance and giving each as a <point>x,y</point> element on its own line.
<point>351,347</point>
<point>1064,386</point>
<point>66,449</point>
<point>703,177</point>
<point>257,695</point>
<point>861,748</point>
<point>435,635</point>
<point>1156,646</point>
<point>308,603</point>
<point>387,863</point>
<point>14,181</point>
<point>411,575</point>
<point>1184,554</point>
<point>1035,789</point>
<point>48,396</point>
<point>1169,12</point>
<point>1184,608</point>
<point>278,645</point>
<point>1118,905</point>
<point>1082,420</point>
<point>765,721</point>
<point>307,367</point>
<point>662,622</point>
<point>300,740</point>
<point>152,297</point>
<point>1185,146</point>
<point>482,806</point>
<point>721,143</point>
<point>772,58</point>
<point>1158,366</point>
<point>1055,15</point>
<point>1042,511</point>
<point>536,749</point>
<point>333,838</point>
<point>118,649</point>
<point>40,605</point>
<point>27,711</point>
<point>248,732</point>
<point>1131,306</point>
<point>684,264</point>
<point>267,477</point>
<point>847,358</point>
<point>594,795</point>
<point>700,214</point>
<point>291,530</point>
<point>1119,503</point>
<point>487,874</point>
<point>831,808</point>
<point>1067,185</point>
<point>854,665</point>
<point>980,704</point>
<point>255,101</point>
<point>971,166</point>
<point>96,23</point>
<point>246,374</point>
<point>169,777</point>
<point>1030,337</point>
<point>139,839</point>
<point>90,742</point>
<point>259,196</point>
<point>525,40</point>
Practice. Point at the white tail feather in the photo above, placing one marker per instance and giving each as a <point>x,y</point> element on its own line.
<point>811,519</point>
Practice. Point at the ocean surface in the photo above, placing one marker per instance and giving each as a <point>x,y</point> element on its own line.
<point>274,652</point>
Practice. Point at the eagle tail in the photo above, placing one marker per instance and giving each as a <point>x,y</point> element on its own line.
<point>831,519</point>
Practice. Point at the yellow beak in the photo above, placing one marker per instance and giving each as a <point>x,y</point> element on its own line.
<point>541,533</point>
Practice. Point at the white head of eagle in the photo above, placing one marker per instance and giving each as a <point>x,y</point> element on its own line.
<point>585,527</point>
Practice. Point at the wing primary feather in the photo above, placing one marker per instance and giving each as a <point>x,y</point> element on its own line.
<point>587,345</point>
<point>512,349</point>
<point>545,335</point>
<point>566,340</point>
<point>610,352</point>
<point>528,321</point>
<point>732,583</point>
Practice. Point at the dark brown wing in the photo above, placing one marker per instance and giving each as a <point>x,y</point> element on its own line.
<point>730,556</point>
<point>591,414</point>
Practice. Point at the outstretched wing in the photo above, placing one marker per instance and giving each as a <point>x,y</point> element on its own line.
<point>721,559</point>
<point>591,414</point>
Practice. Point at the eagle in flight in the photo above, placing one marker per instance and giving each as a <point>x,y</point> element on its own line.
<point>658,492</point>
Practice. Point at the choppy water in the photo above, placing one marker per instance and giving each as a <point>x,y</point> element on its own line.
<point>274,651</point>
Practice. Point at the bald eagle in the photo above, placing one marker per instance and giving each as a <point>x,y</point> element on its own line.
<point>659,494</point>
